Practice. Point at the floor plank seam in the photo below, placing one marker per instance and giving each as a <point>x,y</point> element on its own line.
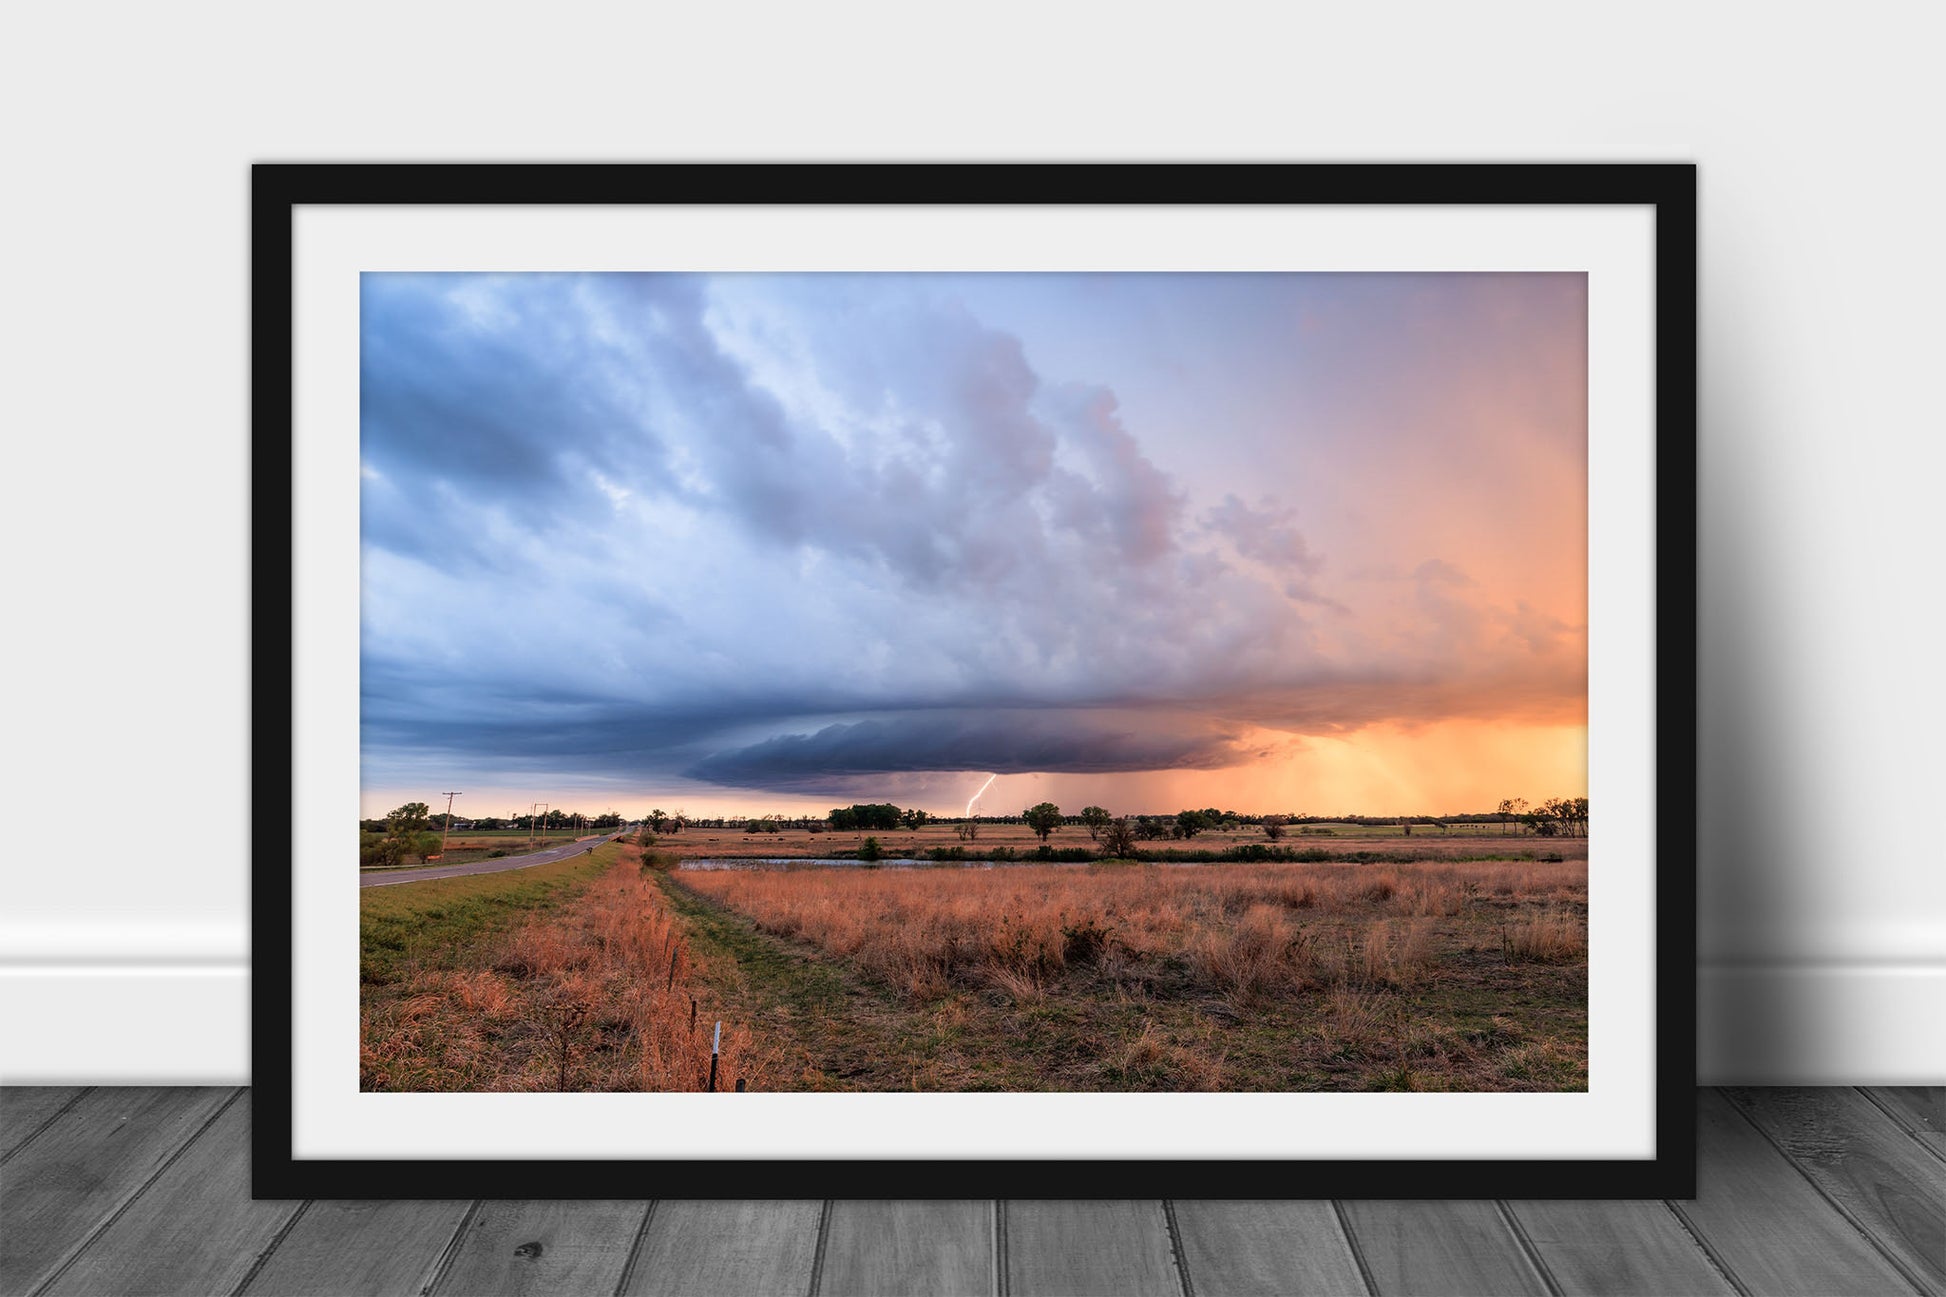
<point>1918,1284</point>
<point>1176,1252</point>
<point>1528,1250</point>
<point>1002,1281</point>
<point>635,1249</point>
<point>276,1241</point>
<point>450,1253</point>
<point>58,1113</point>
<point>120,1209</point>
<point>1357,1251</point>
<point>1710,1254</point>
<point>1904,1123</point>
<point>817,1256</point>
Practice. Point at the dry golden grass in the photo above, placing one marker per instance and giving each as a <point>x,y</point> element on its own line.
<point>594,996</point>
<point>1245,931</point>
<point>1547,939</point>
<point>1425,975</point>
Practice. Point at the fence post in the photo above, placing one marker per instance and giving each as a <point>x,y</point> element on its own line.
<point>716,1044</point>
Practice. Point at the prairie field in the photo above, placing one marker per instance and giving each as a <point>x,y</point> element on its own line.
<point>609,972</point>
<point>1433,975</point>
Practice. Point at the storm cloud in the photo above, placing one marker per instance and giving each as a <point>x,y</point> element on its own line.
<point>1000,742</point>
<point>792,532</point>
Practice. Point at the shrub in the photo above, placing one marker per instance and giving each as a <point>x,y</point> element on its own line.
<point>660,862</point>
<point>871,850</point>
<point>1084,941</point>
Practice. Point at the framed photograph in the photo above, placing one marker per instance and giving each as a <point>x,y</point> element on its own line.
<point>946,681</point>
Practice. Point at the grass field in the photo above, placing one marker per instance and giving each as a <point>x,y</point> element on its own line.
<point>598,974</point>
<point>1468,976</point>
<point>572,975</point>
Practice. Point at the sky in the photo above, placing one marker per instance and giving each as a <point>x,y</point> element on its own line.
<point>773,543</point>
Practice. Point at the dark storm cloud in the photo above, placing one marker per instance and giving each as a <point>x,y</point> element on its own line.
<point>1017,742</point>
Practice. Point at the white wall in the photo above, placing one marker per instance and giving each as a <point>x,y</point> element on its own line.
<point>123,953</point>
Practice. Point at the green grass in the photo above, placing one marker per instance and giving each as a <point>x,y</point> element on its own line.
<point>430,924</point>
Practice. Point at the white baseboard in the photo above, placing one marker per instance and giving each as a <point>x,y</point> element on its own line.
<point>125,1024</point>
<point>185,1023</point>
<point>1821,1024</point>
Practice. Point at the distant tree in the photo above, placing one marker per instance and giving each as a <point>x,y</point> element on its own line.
<point>1043,819</point>
<point>870,850</point>
<point>1096,819</point>
<point>968,830</point>
<point>1190,823</point>
<point>1273,827</point>
<point>1117,838</point>
<point>658,819</point>
<point>914,819</point>
<point>1148,828</point>
<point>866,815</point>
<point>1511,809</point>
<point>409,818</point>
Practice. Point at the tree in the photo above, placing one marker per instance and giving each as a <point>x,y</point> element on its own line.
<point>968,830</point>
<point>1190,823</point>
<point>1273,827</point>
<point>870,850</point>
<point>1042,819</point>
<point>658,819</point>
<point>868,815</point>
<point>1512,808</point>
<point>1096,819</point>
<point>406,834</point>
<point>914,819</point>
<point>409,818</point>
<point>1118,839</point>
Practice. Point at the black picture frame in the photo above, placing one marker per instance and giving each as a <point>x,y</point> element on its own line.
<point>278,190</point>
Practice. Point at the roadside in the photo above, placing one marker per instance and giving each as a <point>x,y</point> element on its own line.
<point>388,877</point>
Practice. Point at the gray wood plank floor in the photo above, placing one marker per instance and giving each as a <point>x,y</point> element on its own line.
<point>107,1191</point>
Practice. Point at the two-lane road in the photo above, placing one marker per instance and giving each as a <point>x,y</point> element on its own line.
<point>547,855</point>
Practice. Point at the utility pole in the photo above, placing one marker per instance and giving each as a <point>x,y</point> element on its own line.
<point>542,808</point>
<point>449,822</point>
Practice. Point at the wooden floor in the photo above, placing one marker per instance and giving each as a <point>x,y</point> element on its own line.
<point>144,1190</point>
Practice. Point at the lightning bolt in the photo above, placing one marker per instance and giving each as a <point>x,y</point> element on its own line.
<point>976,796</point>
